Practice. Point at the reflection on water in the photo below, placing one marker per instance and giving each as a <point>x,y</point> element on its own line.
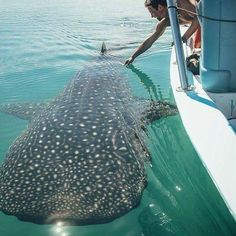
<point>154,220</point>
<point>179,188</point>
<point>59,229</point>
<point>148,83</point>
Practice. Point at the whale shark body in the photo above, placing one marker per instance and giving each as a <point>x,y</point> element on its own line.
<point>82,157</point>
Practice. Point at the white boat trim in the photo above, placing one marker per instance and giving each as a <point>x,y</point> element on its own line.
<point>210,132</point>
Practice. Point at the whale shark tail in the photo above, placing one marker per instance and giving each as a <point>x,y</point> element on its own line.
<point>104,48</point>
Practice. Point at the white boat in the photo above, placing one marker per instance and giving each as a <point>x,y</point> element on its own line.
<point>207,103</point>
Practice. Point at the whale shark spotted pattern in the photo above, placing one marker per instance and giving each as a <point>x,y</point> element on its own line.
<point>82,156</point>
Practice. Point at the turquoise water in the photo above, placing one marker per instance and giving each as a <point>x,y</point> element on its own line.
<point>43,44</point>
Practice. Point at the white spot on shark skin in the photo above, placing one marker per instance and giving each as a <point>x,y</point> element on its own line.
<point>119,162</point>
<point>88,188</point>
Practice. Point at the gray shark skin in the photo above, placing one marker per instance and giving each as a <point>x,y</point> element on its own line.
<point>82,158</point>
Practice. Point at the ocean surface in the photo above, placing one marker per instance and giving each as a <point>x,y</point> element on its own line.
<point>43,44</point>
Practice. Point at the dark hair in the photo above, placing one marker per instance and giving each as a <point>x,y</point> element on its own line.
<point>155,3</point>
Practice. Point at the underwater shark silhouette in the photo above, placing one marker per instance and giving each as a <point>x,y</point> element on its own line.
<point>82,157</point>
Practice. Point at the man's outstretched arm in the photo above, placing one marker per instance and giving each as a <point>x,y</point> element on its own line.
<point>161,26</point>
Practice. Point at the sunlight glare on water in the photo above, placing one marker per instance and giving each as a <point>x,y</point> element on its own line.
<point>43,45</point>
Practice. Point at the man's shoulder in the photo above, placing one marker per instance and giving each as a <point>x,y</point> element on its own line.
<point>164,22</point>
<point>187,3</point>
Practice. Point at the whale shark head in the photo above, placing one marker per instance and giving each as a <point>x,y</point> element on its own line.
<point>82,156</point>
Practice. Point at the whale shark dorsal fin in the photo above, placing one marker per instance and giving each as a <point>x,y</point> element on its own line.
<point>104,48</point>
<point>25,111</point>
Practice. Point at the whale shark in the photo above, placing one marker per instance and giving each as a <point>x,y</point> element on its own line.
<point>82,157</point>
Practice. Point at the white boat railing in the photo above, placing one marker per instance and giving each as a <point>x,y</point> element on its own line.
<point>172,10</point>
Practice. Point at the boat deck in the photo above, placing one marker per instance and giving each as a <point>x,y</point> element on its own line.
<point>211,133</point>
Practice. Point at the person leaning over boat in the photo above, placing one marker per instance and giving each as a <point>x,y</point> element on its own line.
<point>158,9</point>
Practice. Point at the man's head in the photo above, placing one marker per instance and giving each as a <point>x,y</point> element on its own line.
<point>157,8</point>
<point>155,3</point>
